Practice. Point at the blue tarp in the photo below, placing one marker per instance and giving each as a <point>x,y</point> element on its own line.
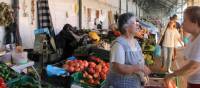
<point>149,26</point>
<point>41,31</point>
<point>55,71</point>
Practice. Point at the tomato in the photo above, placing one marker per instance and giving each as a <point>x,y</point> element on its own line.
<point>98,68</point>
<point>96,82</point>
<point>105,69</point>
<point>86,64</point>
<point>98,60</point>
<point>77,69</point>
<point>71,69</point>
<point>92,64</point>
<point>89,76</point>
<point>107,65</point>
<point>77,65</point>
<point>91,81</point>
<point>85,74</point>
<point>103,64</point>
<point>91,71</point>
<point>96,75</point>
<point>103,77</point>
<point>70,63</point>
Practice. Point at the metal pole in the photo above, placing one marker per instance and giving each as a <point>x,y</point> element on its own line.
<point>139,12</point>
<point>80,14</point>
<point>120,6</point>
<point>182,11</point>
<point>136,7</point>
<point>127,6</point>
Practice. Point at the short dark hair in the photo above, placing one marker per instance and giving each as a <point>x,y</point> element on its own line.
<point>174,16</point>
<point>123,19</point>
<point>193,13</point>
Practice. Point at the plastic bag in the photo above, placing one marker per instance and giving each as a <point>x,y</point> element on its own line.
<point>19,58</point>
<point>157,51</point>
<point>71,58</point>
<point>180,44</point>
<point>54,71</point>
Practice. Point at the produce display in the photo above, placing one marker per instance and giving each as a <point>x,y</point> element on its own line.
<point>148,48</point>
<point>148,59</point>
<point>93,71</point>
<point>75,65</point>
<point>7,73</point>
<point>23,82</point>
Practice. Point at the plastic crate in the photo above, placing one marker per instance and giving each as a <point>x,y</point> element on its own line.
<point>23,82</point>
<point>77,77</point>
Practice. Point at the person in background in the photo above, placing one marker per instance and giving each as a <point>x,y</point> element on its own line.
<point>191,24</point>
<point>127,67</point>
<point>178,27</point>
<point>98,23</point>
<point>169,43</point>
<point>175,18</point>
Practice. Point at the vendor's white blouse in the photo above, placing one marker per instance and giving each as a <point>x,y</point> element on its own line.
<point>192,52</point>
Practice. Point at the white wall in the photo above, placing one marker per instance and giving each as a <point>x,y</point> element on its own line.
<point>132,8</point>
<point>6,1</point>
<point>96,5</point>
<point>123,6</point>
<point>58,9</point>
<point>26,29</point>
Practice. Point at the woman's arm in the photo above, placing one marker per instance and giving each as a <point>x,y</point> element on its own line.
<point>125,69</point>
<point>189,69</point>
<point>180,41</point>
<point>178,35</point>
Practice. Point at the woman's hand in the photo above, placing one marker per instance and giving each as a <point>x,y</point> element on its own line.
<point>146,70</point>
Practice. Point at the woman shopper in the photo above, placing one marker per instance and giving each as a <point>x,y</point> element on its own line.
<point>191,24</point>
<point>170,38</point>
<point>126,60</point>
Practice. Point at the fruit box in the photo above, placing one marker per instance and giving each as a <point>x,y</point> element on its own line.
<point>23,82</point>
<point>77,77</point>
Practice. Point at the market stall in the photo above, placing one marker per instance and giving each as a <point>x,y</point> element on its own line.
<point>67,43</point>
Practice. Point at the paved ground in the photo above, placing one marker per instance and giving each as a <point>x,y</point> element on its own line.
<point>179,60</point>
